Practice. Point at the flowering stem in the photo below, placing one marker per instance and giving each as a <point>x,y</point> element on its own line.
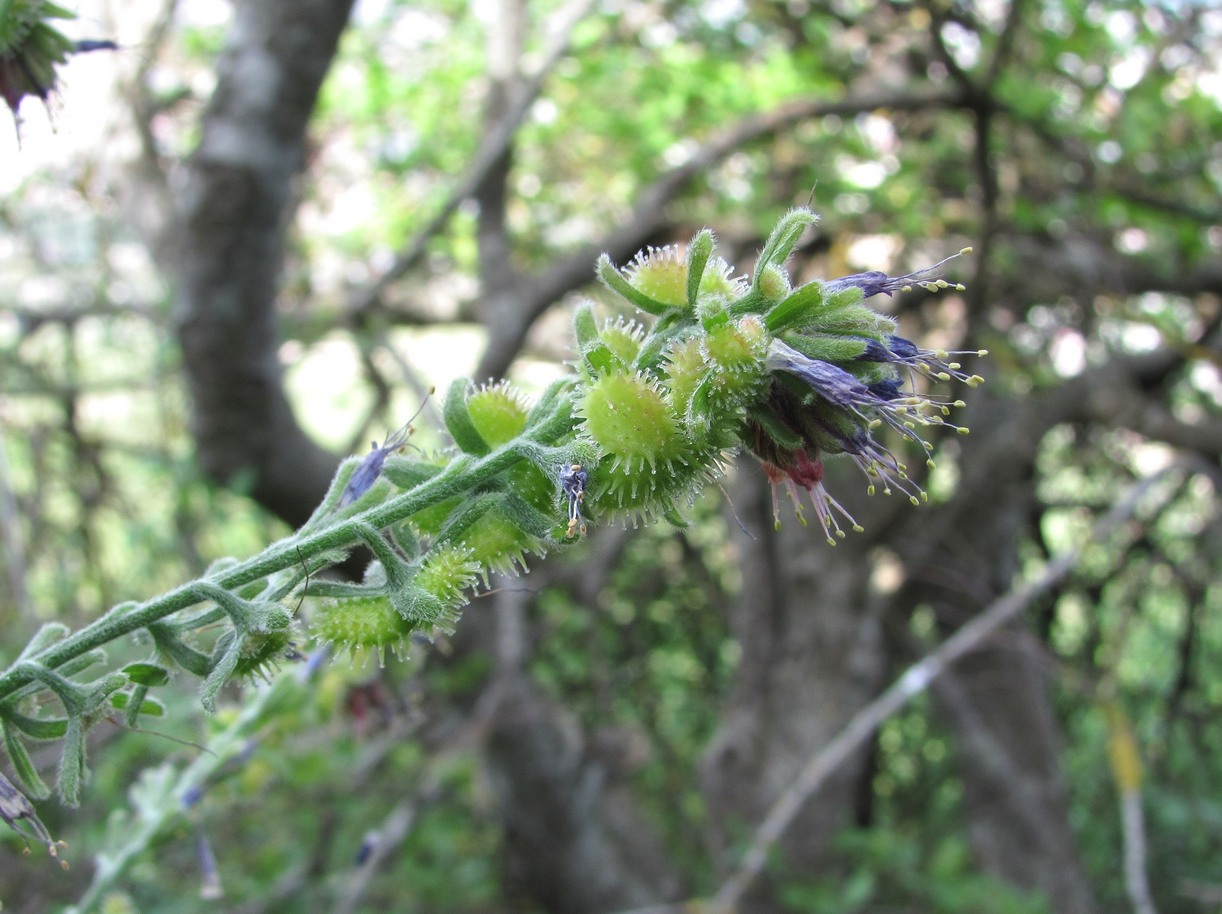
<point>651,416</point>
<point>460,476</point>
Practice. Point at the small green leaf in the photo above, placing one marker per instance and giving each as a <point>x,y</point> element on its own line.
<point>224,661</point>
<point>36,727</point>
<point>597,356</point>
<point>775,429</point>
<point>172,646</point>
<point>49,634</point>
<point>466,514</point>
<point>72,768</point>
<point>147,674</point>
<point>826,347</point>
<point>27,773</point>
<point>796,309</point>
<point>698,253</point>
<point>614,280</point>
<point>458,420</point>
<point>782,241</point>
<point>135,704</point>
<point>405,473</point>
<point>525,515</point>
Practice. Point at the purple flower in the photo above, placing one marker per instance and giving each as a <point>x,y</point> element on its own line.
<point>365,475</point>
<point>17,812</point>
<point>843,423</point>
<point>873,282</point>
<point>801,472</point>
<point>192,795</point>
<point>573,482</point>
<point>369,844</point>
<point>880,403</point>
<point>933,364</point>
<point>210,887</point>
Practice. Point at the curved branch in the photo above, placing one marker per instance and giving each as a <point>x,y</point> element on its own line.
<point>492,151</point>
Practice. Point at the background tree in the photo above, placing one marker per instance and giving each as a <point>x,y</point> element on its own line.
<point>293,203</point>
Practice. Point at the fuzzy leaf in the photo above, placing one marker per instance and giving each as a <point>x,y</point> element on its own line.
<point>698,253</point>
<point>147,674</point>
<point>72,768</point>
<point>172,646</point>
<point>458,421</point>
<point>614,280</point>
<point>26,771</point>
<point>597,356</point>
<point>796,309</point>
<point>781,242</point>
<point>224,661</point>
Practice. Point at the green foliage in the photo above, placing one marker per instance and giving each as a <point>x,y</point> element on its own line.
<point>889,868</point>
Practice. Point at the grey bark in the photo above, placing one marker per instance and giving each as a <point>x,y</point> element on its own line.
<point>812,656</point>
<point>576,840</point>
<point>230,247</point>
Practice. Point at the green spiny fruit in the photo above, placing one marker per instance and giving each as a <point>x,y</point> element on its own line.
<point>362,625</point>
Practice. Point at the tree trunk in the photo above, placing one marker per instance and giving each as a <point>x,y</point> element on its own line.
<point>996,700</point>
<point>812,655</point>
<point>230,245</point>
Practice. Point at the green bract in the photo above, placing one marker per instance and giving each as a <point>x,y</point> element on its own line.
<point>31,49</point>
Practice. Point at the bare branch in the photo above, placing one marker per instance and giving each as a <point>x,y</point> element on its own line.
<point>1135,880</point>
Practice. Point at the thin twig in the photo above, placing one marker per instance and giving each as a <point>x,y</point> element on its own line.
<point>1135,881</point>
<point>10,535</point>
<point>382,843</point>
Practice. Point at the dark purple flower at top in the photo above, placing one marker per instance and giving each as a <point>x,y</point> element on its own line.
<point>874,282</point>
